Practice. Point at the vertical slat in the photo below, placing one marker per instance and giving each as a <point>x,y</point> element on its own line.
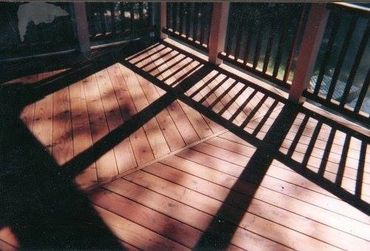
<point>102,21</point>
<point>273,22</point>
<point>112,5</point>
<point>168,13</point>
<point>283,34</point>
<point>363,92</point>
<point>123,21</point>
<point>248,40</point>
<point>195,26</point>
<point>355,65</point>
<point>164,18</point>
<point>131,17</point>
<point>141,10</point>
<point>208,23</point>
<point>187,20</point>
<point>342,54</point>
<point>202,22</point>
<point>258,44</point>
<point>328,52</point>
<point>239,34</point>
<point>173,16</point>
<point>231,28</point>
<point>181,17</point>
<point>177,15</point>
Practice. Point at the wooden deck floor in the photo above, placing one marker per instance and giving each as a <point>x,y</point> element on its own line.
<point>280,177</point>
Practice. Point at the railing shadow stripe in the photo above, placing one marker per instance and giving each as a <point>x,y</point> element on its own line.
<point>152,60</point>
<point>213,90</point>
<point>360,170</point>
<point>243,105</point>
<point>254,111</point>
<point>294,144</point>
<point>342,162</point>
<point>220,97</point>
<point>205,84</point>
<point>233,99</point>
<point>311,145</point>
<point>265,117</point>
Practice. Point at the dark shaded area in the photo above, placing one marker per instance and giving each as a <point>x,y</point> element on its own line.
<point>39,201</point>
<point>39,204</point>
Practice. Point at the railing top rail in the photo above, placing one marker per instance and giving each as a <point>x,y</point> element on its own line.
<point>354,8</point>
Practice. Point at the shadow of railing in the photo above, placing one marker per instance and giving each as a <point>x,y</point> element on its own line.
<point>262,118</point>
<point>270,123</point>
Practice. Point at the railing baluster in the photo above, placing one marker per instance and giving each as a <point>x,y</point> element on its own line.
<point>208,27</point>
<point>283,34</point>
<point>258,45</point>
<point>102,21</point>
<point>342,54</point>
<point>363,92</point>
<point>113,21</point>
<point>187,20</point>
<point>132,17</point>
<point>173,14</point>
<point>123,22</point>
<point>273,22</point>
<point>328,52</point>
<point>181,17</point>
<point>248,41</point>
<point>239,34</point>
<point>202,22</point>
<point>195,26</point>
<point>359,54</point>
<point>168,13</point>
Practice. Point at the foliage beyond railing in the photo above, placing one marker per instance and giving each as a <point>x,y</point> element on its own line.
<point>262,38</point>
<point>190,22</point>
<point>118,20</point>
<point>341,77</point>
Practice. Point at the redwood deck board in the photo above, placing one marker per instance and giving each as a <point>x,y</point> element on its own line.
<point>191,170</point>
<point>82,138</point>
<point>106,165</point>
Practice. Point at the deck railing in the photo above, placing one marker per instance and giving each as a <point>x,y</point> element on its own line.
<point>190,22</point>
<point>114,21</point>
<point>262,38</point>
<point>266,39</point>
<point>341,77</point>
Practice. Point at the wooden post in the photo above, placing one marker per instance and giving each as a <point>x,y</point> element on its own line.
<point>312,38</point>
<point>82,27</point>
<point>163,19</point>
<point>220,16</point>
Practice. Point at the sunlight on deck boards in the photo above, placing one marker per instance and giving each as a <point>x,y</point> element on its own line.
<point>272,187</point>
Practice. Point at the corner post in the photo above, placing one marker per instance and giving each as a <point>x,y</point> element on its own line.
<point>163,19</point>
<point>217,36</point>
<point>82,27</point>
<point>312,38</point>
